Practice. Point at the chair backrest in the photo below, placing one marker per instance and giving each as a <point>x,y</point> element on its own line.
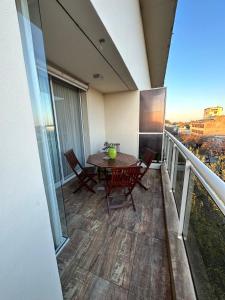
<point>124,177</point>
<point>148,157</point>
<point>72,160</point>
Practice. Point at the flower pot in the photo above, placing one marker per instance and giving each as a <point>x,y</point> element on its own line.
<point>112,152</point>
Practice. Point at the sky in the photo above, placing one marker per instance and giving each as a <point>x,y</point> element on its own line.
<point>195,77</point>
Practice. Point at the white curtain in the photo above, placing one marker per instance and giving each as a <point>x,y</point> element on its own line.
<point>68,112</point>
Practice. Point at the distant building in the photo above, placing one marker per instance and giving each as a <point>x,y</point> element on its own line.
<point>184,130</point>
<point>209,127</point>
<point>172,128</point>
<point>213,112</point>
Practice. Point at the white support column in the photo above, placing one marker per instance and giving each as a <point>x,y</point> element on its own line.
<point>184,197</point>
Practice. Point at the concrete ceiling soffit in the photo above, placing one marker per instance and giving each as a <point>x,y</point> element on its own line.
<point>87,20</point>
<point>158,19</point>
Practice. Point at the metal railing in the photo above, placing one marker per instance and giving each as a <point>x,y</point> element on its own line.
<point>212,183</point>
<point>199,195</point>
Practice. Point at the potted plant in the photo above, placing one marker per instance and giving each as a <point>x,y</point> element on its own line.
<point>112,153</point>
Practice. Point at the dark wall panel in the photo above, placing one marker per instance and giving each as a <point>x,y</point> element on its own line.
<point>152,141</point>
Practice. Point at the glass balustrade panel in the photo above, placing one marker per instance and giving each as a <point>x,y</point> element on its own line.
<point>204,238</point>
<point>178,180</point>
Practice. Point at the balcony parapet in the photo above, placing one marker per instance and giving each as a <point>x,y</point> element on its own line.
<point>194,198</point>
<point>182,283</point>
<point>213,184</point>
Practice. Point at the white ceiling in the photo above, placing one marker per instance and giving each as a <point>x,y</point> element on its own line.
<point>158,19</point>
<point>72,44</point>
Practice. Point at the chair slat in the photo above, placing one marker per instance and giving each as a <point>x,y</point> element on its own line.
<point>148,157</point>
<point>84,177</point>
<point>125,179</point>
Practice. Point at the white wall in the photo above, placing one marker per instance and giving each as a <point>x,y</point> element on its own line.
<point>122,19</point>
<point>27,260</point>
<point>122,120</point>
<point>113,118</point>
<point>96,119</point>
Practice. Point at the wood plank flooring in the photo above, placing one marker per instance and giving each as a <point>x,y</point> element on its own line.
<point>121,256</point>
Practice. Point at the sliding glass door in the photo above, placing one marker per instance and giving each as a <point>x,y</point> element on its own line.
<point>67,106</point>
<point>37,76</point>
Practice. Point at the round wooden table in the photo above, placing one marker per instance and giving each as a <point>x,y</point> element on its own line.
<point>122,160</point>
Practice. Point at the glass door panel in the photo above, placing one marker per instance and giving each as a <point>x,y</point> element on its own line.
<point>35,61</point>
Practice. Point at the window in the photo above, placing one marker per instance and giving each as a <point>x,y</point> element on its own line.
<point>151,126</point>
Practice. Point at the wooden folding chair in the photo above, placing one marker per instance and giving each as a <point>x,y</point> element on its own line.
<point>84,175</point>
<point>148,157</point>
<point>124,179</point>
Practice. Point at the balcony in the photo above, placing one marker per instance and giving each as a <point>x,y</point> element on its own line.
<point>121,256</point>
<point>172,246</point>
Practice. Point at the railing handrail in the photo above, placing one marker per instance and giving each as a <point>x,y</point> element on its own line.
<point>213,180</point>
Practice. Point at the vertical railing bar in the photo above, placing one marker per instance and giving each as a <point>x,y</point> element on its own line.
<point>166,146</point>
<point>173,165</point>
<point>175,170</point>
<point>167,151</point>
<point>184,198</point>
<point>163,145</point>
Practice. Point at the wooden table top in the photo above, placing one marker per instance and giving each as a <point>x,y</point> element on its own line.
<point>121,160</point>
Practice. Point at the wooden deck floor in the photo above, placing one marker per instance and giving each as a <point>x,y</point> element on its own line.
<point>121,256</point>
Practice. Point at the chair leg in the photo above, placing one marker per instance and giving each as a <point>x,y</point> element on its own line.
<point>99,174</point>
<point>108,208</point>
<point>76,190</point>
<point>89,188</point>
<point>132,200</point>
<point>142,185</point>
<point>93,180</point>
<point>101,171</point>
<point>84,184</point>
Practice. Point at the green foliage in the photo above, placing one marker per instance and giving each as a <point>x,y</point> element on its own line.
<point>207,226</point>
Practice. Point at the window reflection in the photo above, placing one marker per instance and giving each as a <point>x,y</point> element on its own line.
<point>152,106</point>
<point>152,141</point>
